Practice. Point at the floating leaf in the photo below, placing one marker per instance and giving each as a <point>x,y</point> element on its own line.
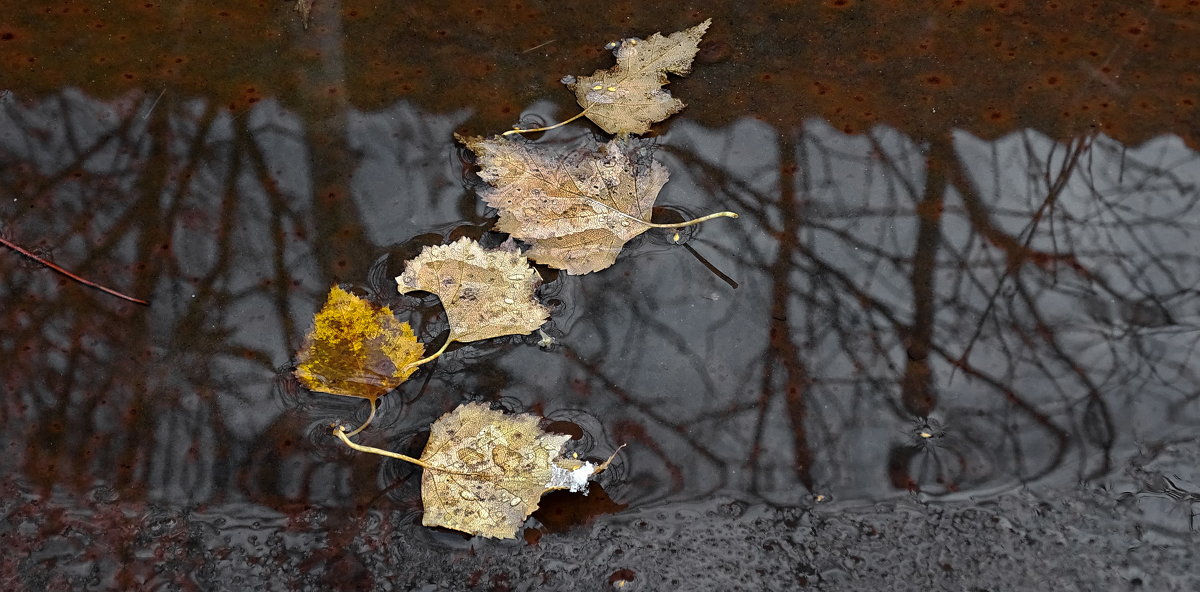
<point>575,209</point>
<point>486,471</point>
<point>628,97</point>
<point>356,349</point>
<point>498,465</point>
<point>486,293</point>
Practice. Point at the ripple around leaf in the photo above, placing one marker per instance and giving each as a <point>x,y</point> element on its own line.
<point>400,479</point>
<point>380,286</point>
<point>286,390</point>
<point>671,215</point>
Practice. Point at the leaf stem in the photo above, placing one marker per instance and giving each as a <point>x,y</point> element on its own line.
<point>604,465</point>
<point>691,222</point>
<point>547,128</point>
<point>436,354</point>
<point>29,254</point>
<point>340,432</point>
<point>365,423</point>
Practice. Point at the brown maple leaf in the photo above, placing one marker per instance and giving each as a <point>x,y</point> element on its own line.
<point>628,97</point>
<point>486,471</point>
<point>575,209</point>
<point>486,293</point>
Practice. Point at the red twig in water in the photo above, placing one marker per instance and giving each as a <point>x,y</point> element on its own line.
<point>18,249</point>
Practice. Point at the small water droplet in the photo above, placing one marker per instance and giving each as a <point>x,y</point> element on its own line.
<point>514,502</point>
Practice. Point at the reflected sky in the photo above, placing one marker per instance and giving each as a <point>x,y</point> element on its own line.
<point>949,316</point>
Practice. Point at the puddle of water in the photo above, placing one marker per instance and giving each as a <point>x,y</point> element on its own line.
<point>920,301</point>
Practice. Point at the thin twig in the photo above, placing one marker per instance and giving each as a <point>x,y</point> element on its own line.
<point>152,105</point>
<point>539,45</point>
<point>18,249</point>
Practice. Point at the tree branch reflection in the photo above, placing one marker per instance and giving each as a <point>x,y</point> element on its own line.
<point>950,315</point>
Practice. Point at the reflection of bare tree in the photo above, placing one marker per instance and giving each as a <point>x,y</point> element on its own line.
<point>80,413</point>
<point>953,316</point>
<point>1028,394</point>
<point>783,355</point>
<point>210,213</point>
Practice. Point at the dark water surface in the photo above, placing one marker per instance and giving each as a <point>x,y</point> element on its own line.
<point>962,294</point>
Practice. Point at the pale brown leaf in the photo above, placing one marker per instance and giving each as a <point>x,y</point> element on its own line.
<point>486,293</point>
<point>628,97</point>
<point>576,209</point>
<point>486,470</point>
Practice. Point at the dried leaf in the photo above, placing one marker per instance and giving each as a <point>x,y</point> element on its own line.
<point>486,293</point>
<point>486,470</point>
<point>628,97</point>
<point>576,209</point>
<point>356,349</point>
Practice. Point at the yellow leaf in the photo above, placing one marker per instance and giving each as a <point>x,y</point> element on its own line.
<point>628,97</point>
<point>355,349</point>
<point>575,209</point>
<point>486,293</point>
